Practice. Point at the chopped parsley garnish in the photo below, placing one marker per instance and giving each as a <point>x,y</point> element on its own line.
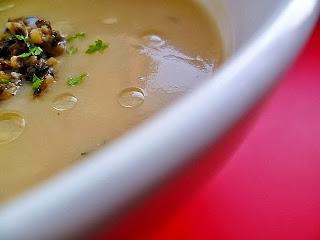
<point>98,46</point>
<point>4,81</point>
<point>75,36</point>
<point>25,55</point>
<point>76,80</point>
<point>10,36</point>
<point>36,83</point>
<point>33,51</point>
<point>72,50</point>
<point>20,37</point>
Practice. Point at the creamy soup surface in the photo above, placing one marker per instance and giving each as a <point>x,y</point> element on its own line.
<point>158,51</point>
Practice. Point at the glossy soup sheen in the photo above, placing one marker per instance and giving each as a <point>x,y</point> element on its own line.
<point>159,50</point>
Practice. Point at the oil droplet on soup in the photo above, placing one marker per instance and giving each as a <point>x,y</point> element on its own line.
<point>64,102</point>
<point>110,21</point>
<point>11,127</point>
<point>152,39</point>
<point>131,97</point>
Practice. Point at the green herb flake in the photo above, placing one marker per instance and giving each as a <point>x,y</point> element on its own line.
<point>72,50</point>
<point>10,36</point>
<point>25,55</point>
<point>20,37</point>
<point>33,51</point>
<point>98,46</point>
<point>4,81</point>
<point>75,36</point>
<point>76,80</point>
<point>36,83</point>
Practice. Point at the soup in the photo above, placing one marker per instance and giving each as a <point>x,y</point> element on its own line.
<point>155,51</point>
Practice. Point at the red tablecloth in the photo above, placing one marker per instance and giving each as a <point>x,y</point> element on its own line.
<point>261,182</point>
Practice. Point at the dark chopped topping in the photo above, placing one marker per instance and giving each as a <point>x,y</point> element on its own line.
<point>27,50</point>
<point>9,84</point>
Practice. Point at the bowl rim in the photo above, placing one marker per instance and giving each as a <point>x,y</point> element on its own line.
<point>73,199</point>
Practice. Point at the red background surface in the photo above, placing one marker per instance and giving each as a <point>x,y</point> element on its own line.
<point>262,181</point>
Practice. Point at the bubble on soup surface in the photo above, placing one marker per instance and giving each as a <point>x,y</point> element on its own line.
<point>64,102</point>
<point>152,39</point>
<point>12,126</point>
<point>131,97</point>
<point>142,79</point>
<point>110,21</point>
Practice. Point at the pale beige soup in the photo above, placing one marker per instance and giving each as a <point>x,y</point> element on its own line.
<point>166,48</point>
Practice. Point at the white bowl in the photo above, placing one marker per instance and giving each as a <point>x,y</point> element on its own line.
<point>262,37</point>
